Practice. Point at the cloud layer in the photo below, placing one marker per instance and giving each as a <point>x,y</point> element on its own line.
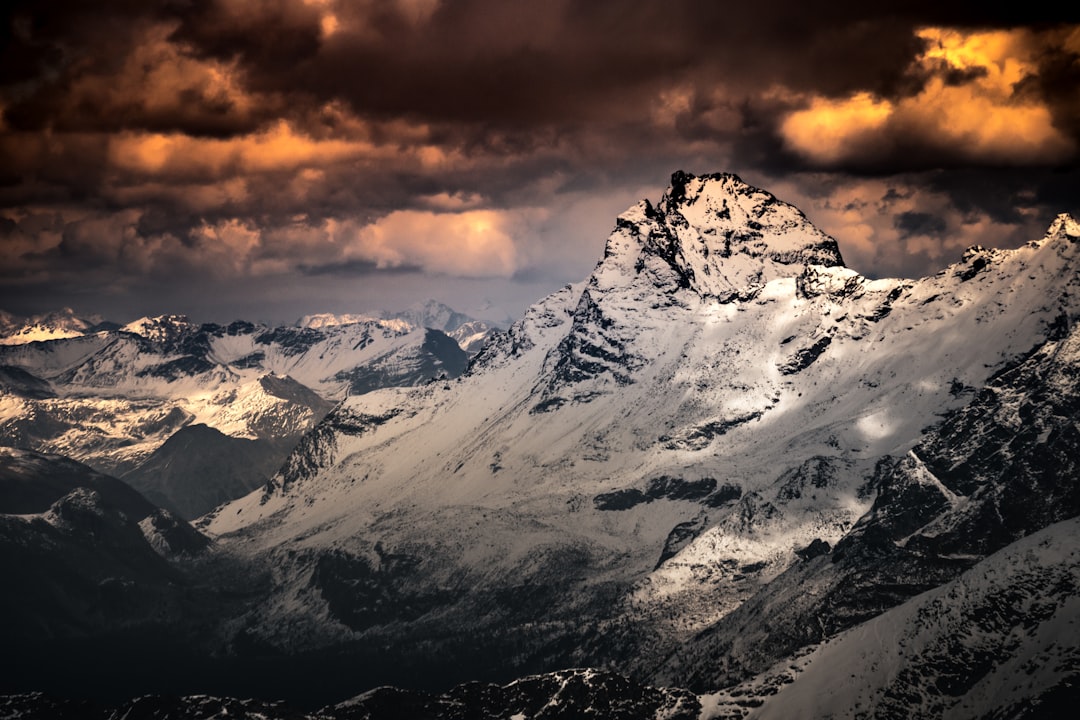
<point>975,104</point>
<point>200,150</point>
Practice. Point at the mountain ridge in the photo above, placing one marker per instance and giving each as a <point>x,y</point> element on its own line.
<point>113,397</point>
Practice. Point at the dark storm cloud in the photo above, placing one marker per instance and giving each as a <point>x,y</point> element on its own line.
<point>526,64</point>
<point>1057,81</point>
<point>199,140</point>
<point>1010,195</point>
<point>356,268</point>
<point>68,66</point>
<point>493,64</point>
<point>919,223</point>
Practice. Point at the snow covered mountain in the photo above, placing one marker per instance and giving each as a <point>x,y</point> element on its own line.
<point>431,314</point>
<point>50,326</point>
<point>112,398</point>
<point>470,333</point>
<point>646,452</point>
<point>169,355</point>
<point>723,462</point>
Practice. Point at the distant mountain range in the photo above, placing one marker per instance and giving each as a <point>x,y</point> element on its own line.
<point>732,476</point>
<point>57,325</point>
<point>233,400</point>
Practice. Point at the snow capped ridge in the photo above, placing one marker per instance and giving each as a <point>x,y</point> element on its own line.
<point>56,325</point>
<point>320,321</point>
<point>716,235</point>
<point>1064,230</point>
<point>160,329</point>
<point>471,334</point>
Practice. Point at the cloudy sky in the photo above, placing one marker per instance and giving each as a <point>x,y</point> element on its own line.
<point>271,158</point>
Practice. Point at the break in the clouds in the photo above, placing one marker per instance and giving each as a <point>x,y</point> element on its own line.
<point>199,150</point>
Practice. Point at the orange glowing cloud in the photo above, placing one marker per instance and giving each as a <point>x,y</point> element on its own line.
<point>354,18</point>
<point>969,105</point>
<point>829,130</point>
<point>163,81</point>
<point>280,147</point>
<point>328,20</point>
<point>231,242</point>
<point>277,148</point>
<point>475,243</point>
<point>470,243</point>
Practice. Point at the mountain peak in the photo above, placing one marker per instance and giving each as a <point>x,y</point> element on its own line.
<point>431,314</point>
<point>320,321</point>
<point>687,185</point>
<point>722,204</point>
<point>163,328</point>
<point>717,235</point>
<point>58,324</point>
<point>1064,227</point>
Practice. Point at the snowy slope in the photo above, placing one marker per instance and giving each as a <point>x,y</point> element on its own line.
<point>988,474</point>
<point>999,641</point>
<point>650,447</point>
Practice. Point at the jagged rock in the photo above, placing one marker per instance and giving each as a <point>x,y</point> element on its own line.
<point>817,548</point>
